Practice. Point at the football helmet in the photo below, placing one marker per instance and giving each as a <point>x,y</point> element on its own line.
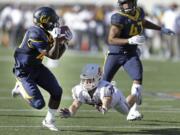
<point>90,76</point>
<point>46,17</point>
<point>132,4</point>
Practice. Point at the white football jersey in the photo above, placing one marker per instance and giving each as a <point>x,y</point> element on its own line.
<point>103,89</point>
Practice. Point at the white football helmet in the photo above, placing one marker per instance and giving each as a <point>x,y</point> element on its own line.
<point>90,76</point>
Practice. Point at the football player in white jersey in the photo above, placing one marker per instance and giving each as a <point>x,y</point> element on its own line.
<point>99,93</point>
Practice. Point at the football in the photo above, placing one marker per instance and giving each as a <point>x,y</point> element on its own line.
<point>63,30</point>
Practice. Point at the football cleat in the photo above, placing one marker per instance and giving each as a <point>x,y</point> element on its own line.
<point>50,125</point>
<point>15,92</point>
<point>135,115</point>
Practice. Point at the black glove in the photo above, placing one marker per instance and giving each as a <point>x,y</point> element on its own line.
<point>65,113</point>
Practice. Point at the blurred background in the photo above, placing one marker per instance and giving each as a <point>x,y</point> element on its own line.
<point>89,20</point>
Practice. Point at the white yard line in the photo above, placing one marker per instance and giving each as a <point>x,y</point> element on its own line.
<point>95,127</point>
<point>70,98</point>
<point>87,111</point>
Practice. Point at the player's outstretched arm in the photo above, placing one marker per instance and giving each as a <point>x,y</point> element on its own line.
<point>66,113</point>
<point>106,104</point>
<point>149,25</point>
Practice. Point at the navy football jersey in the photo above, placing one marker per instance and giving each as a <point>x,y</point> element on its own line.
<point>28,54</point>
<point>129,25</point>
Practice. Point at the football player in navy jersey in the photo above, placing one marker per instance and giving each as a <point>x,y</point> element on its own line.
<point>125,34</point>
<point>29,70</point>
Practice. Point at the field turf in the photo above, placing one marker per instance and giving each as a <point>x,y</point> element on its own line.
<point>161,104</point>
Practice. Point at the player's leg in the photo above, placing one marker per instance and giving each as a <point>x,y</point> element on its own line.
<point>135,70</point>
<point>122,106</point>
<point>131,100</point>
<point>48,82</point>
<point>28,89</point>
<point>111,66</point>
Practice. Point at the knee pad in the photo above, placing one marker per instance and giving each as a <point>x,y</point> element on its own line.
<point>38,104</point>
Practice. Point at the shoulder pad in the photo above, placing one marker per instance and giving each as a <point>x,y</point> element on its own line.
<point>107,90</point>
<point>141,11</point>
<point>76,90</point>
<point>37,33</point>
<point>117,19</point>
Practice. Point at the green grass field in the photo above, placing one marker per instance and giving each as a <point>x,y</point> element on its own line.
<point>160,106</point>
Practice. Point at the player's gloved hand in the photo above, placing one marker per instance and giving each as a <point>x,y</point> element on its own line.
<point>65,113</point>
<point>136,40</point>
<point>101,109</point>
<point>68,35</point>
<point>66,32</point>
<point>56,32</point>
<point>167,31</point>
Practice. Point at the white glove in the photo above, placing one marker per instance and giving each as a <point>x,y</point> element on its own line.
<point>136,40</point>
<point>56,32</point>
<point>167,31</point>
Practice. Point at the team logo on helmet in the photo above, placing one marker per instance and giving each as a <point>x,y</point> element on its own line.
<point>44,19</point>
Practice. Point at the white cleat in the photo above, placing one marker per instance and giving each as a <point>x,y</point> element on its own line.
<point>135,115</point>
<point>50,125</point>
<point>15,92</point>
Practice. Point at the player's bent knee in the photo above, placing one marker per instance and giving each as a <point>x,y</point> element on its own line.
<point>38,104</point>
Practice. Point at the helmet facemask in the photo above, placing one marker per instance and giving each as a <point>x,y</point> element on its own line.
<point>52,23</point>
<point>89,84</point>
<point>128,6</point>
<point>90,77</point>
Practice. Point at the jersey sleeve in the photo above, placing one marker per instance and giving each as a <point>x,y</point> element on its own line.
<point>77,95</point>
<point>38,40</point>
<point>74,94</point>
<point>117,19</point>
<point>107,91</point>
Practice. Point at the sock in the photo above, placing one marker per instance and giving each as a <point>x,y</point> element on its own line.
<point>135,107</point>
<point>50,116</point>
<point>136,89</point>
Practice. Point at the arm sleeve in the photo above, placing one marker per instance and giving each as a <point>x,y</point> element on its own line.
<point>77,95</point>
<point>38,40</point>
<point>74,95</point>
